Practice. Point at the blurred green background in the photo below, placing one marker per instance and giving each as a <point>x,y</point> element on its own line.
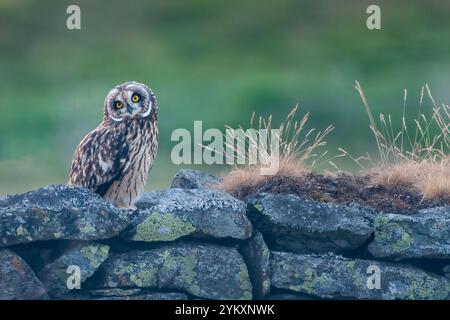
<point>216,61</point>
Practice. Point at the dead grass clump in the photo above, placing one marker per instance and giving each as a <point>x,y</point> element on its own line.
<point>436,184</point>
<point>297,153</point>
<point>250,177</point>
<point>432,179</point>
<point>417,158</point>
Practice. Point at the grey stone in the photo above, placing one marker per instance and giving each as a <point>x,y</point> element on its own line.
<point>148,199</point>
<point>122,294</point>
<point>331,276</point>
<point>257,256</point>
<point>17,280</point>
<point>205,271</point>
<point>447,271</point>
<point>115,292</point>
<point>87,257</point>
<point>423,235</point>
<point>174,213</point>
<point>149,296</point>
<point>307,226</point>
<point>58,212</point>
<point>134,294</point>
<point>194,179</point>
<point>290,296</point>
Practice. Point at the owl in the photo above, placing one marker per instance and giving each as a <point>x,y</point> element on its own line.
<point>113,160</point>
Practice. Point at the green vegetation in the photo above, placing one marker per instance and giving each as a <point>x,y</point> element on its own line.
<point>210,61</point>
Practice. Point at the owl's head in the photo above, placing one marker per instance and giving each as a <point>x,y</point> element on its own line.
<point>130,100</point>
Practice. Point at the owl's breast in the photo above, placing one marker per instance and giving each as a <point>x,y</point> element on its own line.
<point>142,146</point>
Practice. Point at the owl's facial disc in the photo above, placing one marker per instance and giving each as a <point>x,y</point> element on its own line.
<point>130,100</point>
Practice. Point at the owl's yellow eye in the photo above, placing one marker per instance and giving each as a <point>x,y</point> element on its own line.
<point>118,104</point>
<point>135,98</point>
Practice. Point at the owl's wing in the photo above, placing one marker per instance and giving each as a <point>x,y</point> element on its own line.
<point>99,159</point>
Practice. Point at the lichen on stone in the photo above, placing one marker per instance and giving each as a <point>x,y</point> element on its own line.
<point>95,254</point>
<point>160,226</point>
<point>244,282</point>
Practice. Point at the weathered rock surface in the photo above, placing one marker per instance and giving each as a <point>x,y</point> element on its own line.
<point>257,257</point>
<point>123,294</point>
<point>331,276</point>
<point>17,280</point>
<point>193,179</point>
<point>306,226</point>
<point>206,271</point>
<point>174,213</point>
<point>149,296</point>
<point>424,235</point>
<point>134,294</point>
<point>446,270</point>
<point>87,257</point>
<point>216,252</point>
<point>290,296</point>
<point>58,212</point>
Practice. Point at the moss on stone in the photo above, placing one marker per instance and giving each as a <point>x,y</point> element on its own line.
<point>308,283</point>
<point>145,278</point>
<point>404,242</point>
<point>88,230</point>
<point>307,279</point>
<point>57,235</point>
<point>162,227</point>
<point>185,265</point>
<point>266,252</point>
<point>258,206</point>
<point>244,282</point>
<point>266,284</point>
<point>387,234</point>
<point>23,232</point>
<point>189,263</point>
<point>95,254</point>
<point>123,270</point>
<point>325,280</point>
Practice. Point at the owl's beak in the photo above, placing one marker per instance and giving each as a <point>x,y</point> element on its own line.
<point>130,109</point>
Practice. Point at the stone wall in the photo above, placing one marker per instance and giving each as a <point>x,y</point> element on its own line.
<point>193,242</point>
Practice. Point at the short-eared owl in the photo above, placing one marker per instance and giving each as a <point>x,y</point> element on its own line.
<point>114,159</point>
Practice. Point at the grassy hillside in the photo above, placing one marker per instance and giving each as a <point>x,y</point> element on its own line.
<point>210,61</point>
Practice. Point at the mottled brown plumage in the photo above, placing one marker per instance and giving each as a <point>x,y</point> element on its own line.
<point>114,159</point>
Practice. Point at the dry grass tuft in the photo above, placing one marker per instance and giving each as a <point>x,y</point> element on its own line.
<point>432,179</point>
<point>249,177</point>
<point>297,156</point>
<point>418,158</point>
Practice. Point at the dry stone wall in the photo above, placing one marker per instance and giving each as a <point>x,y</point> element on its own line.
<point>194,242</point>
